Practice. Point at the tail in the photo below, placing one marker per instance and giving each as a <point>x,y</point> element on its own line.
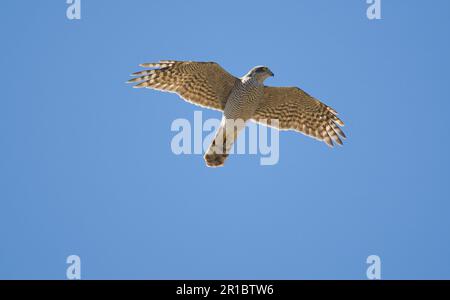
<point>214,159</point>
<point>220,147</point>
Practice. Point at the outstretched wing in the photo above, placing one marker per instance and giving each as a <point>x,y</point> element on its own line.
<point>202,83</point>
<point>296,110</point>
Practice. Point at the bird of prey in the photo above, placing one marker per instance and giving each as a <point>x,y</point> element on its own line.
<point>208,85</point>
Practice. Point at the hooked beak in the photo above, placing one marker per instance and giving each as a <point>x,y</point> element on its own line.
<point>271,74</point>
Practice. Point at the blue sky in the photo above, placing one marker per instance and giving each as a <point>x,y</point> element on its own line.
<point>86,166</point>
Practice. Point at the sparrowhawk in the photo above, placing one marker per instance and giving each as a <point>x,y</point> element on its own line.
<point>247,98</point>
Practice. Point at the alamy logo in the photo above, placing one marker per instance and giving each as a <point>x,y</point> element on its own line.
<point>73,11</point>
<point>374,269</point>
<point>74,269</point>
<point>190,138</point>
<point>374,9</point>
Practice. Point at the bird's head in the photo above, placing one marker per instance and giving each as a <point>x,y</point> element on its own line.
<point>261,73</point>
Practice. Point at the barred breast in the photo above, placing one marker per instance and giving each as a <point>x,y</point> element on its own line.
<point>244,99</point>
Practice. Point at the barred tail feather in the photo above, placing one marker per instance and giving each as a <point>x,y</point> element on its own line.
<point>220,147</point>
<point>217,152</point>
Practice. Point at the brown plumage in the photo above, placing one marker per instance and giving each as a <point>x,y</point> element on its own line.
<point>202,83</point>
<point>296,110</point>
<point>207,84</point>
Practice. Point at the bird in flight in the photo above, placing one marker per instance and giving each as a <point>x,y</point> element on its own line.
<point>208,85</point>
